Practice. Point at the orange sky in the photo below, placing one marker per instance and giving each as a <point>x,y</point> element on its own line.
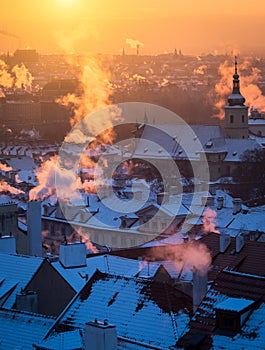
<point>103,25</point>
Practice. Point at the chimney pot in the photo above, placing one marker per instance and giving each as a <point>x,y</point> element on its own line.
<point>237,205</point>
<point>225,240</point>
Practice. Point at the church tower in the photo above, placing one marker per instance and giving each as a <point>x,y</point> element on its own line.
<point>236,113</point>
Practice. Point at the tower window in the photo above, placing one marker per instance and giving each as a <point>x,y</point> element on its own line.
<point>231,119</point>
<point>243,118</point>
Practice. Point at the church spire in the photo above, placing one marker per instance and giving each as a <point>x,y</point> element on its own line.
<point>236,99</point>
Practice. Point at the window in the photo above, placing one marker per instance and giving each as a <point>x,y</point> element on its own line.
<point>231,119</point>
<point>243,118</point>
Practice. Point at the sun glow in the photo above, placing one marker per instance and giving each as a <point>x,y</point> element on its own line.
<point>66,2</point>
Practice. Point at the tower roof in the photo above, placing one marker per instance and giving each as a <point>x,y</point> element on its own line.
<point>236,99</point>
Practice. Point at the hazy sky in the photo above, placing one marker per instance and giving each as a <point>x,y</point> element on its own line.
<point>103,25</point>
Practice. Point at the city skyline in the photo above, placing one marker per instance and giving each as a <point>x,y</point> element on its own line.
<point>79,26</point>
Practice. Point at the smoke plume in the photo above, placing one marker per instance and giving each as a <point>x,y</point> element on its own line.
<point>47,175</point>
<point>248,86</point>
<point>6,188</point>
<point>5,167</point>
<point>18,78</point>
<point>4,32</point>
<point>200,70</point>
<point>184,256</point>
<point>23,78</point>
<point>134,43</point>
<point>210,220</point>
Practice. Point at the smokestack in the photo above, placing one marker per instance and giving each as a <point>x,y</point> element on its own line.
<point>137,49</point>
<point>239,243</point>
<point>73,255</point>
<point>100,336</point>
<point>220,202</point>
<point>225,240</point>
<point>34,228</point>
<point>200,282</point>
<point>237,205</point>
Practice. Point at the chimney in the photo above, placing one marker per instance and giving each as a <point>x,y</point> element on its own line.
<point>220,202</point>
<point>7,245</point>
<point>239,243</point>
<point>34,239</point>
<point>208,201</point>
<point>213,189</point>
<point>224,242</point>
<point>237,205</point>
<point>100,336</point>
<point>200,281</point>
<point>73,255</point>
<point>27,301</point>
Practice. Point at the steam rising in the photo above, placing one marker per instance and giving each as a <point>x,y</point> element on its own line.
<point>248,87</point>
<point>190,256</point>
<point>18,78</point>
<point>5,187</point>
<point>5,167</point>
<point>134,43</point>
<point>209,221</point>
<point>95,91</point>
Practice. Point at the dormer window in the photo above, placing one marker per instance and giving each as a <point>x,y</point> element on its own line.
<point>232,313</point>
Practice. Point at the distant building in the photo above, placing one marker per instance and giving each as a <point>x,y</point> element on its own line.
<point>26,56</point>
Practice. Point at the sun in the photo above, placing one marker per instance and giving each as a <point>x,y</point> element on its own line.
<point>66,2</point>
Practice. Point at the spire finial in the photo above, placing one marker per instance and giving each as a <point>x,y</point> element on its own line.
<point>235,64</point>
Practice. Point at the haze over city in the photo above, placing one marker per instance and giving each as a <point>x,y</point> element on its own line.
<point>103,26</point>
<point>132,175</point>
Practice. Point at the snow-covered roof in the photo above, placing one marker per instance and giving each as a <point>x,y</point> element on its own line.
<point>15,273</point>
<point>104,263</point>
<point>23,163</point>
<point>180,141</point>
<point>64,340</point>
<point>250,337</point>
<point>119,266</point>
<point>19,329</point>
<point>234,304</point>
<point>142,310</point>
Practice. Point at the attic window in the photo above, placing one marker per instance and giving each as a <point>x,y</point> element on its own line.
<point>234,153</point>
<point>232,313</point>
